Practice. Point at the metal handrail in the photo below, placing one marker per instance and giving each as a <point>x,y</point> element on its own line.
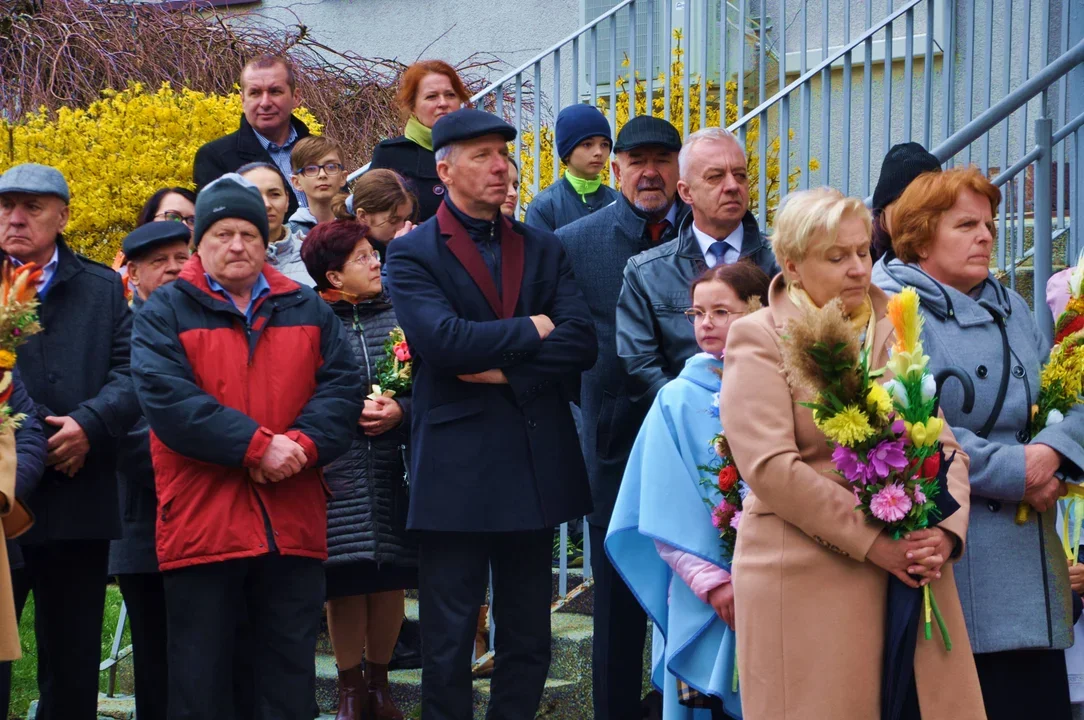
<point>823,64</point>
<point>1012,102</point>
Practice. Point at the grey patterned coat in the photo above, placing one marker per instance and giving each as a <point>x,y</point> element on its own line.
<point>1013,580</point>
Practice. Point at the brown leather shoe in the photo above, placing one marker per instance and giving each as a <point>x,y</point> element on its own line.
<point>381,706</point>
<point>481,644</point>
<point>353,695</point>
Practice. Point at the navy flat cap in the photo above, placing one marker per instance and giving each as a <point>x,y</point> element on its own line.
<point>646,130</point>
<point>146,237</point>
<point>467,124</point>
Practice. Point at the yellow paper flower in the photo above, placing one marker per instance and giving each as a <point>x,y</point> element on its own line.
<point>925,434</point>
<point>907,365</point>
<point>7,360</point>
<point>878,401</point>
<point>847,427</point>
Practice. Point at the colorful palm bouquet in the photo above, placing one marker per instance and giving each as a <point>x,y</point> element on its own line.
<point>393,371</point>
<point>726,493</point>
<point>18,321</point>
<point>1061,381</point>
<point>884,437</point>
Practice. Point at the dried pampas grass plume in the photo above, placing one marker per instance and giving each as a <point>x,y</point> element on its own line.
<point>820,330</point>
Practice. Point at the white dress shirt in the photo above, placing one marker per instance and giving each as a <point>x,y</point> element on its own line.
<point>733,243</point>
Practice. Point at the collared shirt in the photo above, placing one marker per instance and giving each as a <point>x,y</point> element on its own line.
<point>486,236</point>
<point>733,243</point>
<point>47,272</point>
<point>280,155</point>
<point>260,289</point>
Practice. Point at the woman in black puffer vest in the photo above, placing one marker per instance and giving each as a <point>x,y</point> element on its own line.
<point>370,561</point>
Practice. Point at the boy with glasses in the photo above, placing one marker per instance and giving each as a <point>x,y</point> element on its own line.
<point>319,175</point>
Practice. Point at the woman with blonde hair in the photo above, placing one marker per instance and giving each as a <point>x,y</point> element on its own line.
<point>1013,581</point>
<point>810,572</point>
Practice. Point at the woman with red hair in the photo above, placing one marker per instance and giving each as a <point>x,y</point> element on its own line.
<point>428,90</point>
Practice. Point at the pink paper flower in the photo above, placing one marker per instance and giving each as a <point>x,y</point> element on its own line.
<point>890,504</point>
<point>899,427</point>
<point>920,497</point>
<point>402,351</point>
<point>722,514</point>
<point>847,462</point>
<point>888,455</point>
<point>735,520</point>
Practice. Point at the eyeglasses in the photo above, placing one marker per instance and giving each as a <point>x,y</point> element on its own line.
<point>718,315</point>
<point>314,170</point>
<point>174,216</point>
<point>366,258</point>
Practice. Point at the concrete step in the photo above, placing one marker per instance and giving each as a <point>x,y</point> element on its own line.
<point>561,699</point>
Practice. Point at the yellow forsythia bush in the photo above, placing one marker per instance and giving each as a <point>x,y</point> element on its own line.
<point>116,153</point>
<point>676,115</point>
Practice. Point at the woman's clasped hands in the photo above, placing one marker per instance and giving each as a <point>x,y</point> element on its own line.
<point>916,558</point>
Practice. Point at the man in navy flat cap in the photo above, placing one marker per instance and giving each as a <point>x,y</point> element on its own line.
<point>499,333</point>
<point>155,252</point>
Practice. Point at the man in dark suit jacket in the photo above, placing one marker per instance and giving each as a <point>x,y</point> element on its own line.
<point>77,372</point>
<point>647,214</point>
<point>499,333</point>
<point>268,128</point>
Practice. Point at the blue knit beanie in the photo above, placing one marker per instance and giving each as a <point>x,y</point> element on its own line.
<point>575,124</point>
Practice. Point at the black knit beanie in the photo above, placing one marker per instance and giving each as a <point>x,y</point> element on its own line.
<point>230,196</point>
<point>902,164</point>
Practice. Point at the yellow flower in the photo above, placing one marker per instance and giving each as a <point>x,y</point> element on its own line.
<point>848,427</point>
<point>908,364</point>
<point>7,360</point>
<point>878,401</point>
<point>925,434</point>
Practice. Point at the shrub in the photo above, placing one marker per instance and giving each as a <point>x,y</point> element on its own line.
<point>119,150</point>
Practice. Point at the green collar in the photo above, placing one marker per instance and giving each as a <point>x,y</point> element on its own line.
<point>583,187</point>
<point>418,133</point>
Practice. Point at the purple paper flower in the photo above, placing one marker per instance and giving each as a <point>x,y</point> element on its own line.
<point>847,462</point>
<point>735,520</point>
<point>888,455</point>
<point>890,504</point>
<point>899,427</point>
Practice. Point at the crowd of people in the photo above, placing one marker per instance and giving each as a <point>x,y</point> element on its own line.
<point>297,399</point>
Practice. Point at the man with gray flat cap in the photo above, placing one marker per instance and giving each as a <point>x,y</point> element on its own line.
<point>499,334</point>
<point>77,373</point>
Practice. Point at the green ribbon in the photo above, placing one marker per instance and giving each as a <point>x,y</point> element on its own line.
<point>583,187</point>
<point>418,133</point>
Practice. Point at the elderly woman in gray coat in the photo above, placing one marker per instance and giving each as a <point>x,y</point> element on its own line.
<point>1013,580</point>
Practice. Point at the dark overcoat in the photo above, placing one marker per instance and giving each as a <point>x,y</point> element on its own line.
<point>491,457</point>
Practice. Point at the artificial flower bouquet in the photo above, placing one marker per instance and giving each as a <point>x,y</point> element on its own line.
<point>1061,381</point>
<point>726,491</point>
<point>884,438</point>
<point>18,321</point>
<point>393,371</point>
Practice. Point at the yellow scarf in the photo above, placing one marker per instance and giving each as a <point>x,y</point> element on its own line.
<point>862,319</point>
<point>418,133</point>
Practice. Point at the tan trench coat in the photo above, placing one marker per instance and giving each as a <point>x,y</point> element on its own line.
<point>16,520</point>
<point>810,610</point>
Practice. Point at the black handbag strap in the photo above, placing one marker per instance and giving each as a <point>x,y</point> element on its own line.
<point>1002,390</point>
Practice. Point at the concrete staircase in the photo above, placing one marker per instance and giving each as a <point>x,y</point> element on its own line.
<point>567,695</point>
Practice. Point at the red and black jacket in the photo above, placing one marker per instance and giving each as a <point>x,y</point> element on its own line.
<point>215,389</point>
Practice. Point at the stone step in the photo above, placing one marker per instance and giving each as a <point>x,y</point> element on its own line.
<point>561,699</point>
<point>570,665</point>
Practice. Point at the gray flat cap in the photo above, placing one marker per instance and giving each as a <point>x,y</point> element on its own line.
<point>36,180</point>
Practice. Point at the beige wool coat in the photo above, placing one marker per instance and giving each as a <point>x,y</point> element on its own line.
<point>810,609</point>
<point>16,520</point>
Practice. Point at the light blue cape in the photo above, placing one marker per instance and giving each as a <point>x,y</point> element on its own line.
<point>661,498</point>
